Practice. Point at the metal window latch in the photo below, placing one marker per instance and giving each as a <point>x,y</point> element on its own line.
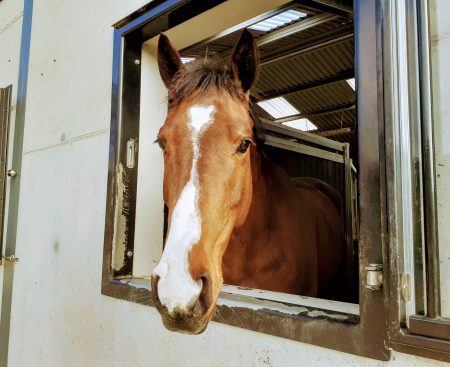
<point>374,276</point>
<point>131,153</point>
<point>12,258</point>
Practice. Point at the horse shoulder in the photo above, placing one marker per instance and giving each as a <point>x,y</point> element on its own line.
<point>315,184</point>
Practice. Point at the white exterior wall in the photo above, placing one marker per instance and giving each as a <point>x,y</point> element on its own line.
<point>59,316</point>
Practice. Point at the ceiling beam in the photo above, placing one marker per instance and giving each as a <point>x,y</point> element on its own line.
<point>327,111</point>
<point>311,41</point>
<point>306,48</point>
<point>344,130</point>
<point>308,86</point>
<point>343,7</point>
<point>296,27</point>
<point>289,30</point>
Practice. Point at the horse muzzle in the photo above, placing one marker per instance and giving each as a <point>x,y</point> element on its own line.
<point>192,320</point>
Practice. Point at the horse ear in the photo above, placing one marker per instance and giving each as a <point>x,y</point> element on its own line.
<point>245,60</point>
<point>169,60</point>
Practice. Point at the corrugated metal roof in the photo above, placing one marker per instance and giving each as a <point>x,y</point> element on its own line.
<point>323,97</point>
<point>304,36</point>
<point>317,59</point>
<point>306,67</point>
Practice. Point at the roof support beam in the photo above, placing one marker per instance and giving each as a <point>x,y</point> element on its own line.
<point>289,30</point>
<point>344,130</point>
<point>296,27</point>
<point>307,86</point>
<point>345,6</point>
<point>344,107</point>
<point>307,48</point>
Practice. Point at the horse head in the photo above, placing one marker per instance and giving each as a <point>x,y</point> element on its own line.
<point>209,150</point>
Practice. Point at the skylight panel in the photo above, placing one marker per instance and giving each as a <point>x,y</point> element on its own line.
<point>301,124</point>
<point>351,83</point>
<point>278,20</point>
<point>185,60</point>
<point>278,107</point>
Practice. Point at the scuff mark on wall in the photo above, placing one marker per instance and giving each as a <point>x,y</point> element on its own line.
<point>11,23</point>
<point>237,301</point>
<point>258,304</point>
<point>320,313</point>
<point>121,222</point>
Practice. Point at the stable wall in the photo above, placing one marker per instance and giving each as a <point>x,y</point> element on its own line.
<point>59,316</point>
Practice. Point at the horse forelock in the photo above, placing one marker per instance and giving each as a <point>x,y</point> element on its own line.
<point>204,75</point>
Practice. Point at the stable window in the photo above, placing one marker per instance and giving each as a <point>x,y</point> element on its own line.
<point>317,59</point>
<point>309,121</point>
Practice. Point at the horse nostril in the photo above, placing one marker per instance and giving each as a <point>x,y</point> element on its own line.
<point>205,298</point>
<point>154,282</point>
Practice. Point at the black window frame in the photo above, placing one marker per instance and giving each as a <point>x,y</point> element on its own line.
<point>5,116</point>
<point>379,326</point>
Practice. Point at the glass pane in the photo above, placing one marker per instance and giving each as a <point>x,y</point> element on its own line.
<point>440,54</point>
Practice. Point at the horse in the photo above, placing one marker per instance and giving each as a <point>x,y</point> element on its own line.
<point>234,216</point>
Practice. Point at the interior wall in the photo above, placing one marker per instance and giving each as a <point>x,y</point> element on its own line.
<point>60,317</point>
<point>148,237</point>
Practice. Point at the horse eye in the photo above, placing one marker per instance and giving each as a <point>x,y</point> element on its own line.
<point>242,148</point>
<point>161,144</point>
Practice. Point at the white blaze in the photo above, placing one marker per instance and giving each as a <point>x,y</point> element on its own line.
<point>176,288</point>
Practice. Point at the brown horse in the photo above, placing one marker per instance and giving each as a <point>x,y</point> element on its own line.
<point>234,215</point>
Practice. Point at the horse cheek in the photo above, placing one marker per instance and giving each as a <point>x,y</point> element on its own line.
<point>241,193</point>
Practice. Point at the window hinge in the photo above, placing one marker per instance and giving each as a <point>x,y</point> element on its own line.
<point>374,276</point>
<point>406,287</point>
<point>12,258</point>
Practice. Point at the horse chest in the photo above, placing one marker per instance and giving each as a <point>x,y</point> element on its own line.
<point>271,262</point>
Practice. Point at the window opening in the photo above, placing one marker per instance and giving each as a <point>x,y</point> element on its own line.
<point>306,108</point>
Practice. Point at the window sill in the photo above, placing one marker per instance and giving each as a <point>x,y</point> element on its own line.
<point>303,319</point>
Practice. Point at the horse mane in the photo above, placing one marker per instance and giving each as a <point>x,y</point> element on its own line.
<point>203,75</point>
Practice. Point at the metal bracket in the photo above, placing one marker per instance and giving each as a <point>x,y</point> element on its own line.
<point>131,153</point>
<point>406,287</point>
<point>374,276</point>
<point>12,258</point>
